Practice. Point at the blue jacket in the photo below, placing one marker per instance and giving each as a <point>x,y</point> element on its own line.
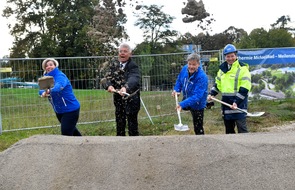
<point>193,88</point>
<point>61,96</point>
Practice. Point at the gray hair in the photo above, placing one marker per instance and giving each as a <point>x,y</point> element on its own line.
<point>193,56</point>
<point>125,45</point>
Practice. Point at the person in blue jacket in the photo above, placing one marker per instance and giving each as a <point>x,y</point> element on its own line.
<point>62,98</point>
<point>192,81</point>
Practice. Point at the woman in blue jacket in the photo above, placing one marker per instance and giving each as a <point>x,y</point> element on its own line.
<point>62,98</point>
<point>192,81</point>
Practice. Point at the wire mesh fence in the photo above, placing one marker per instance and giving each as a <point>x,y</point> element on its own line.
<point>22,108</point>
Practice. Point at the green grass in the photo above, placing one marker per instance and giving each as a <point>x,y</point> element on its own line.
<point>278,112</point>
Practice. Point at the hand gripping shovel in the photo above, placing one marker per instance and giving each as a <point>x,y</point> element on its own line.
<point>255,114</point>
<point>180,126</point>
<point>45,83</point>
<point>127,94</point>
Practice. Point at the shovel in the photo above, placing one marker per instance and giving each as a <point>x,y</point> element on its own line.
<point>255,114</point>
<point>46,82</point>
<point>180,126</point>
<point>127,94</point>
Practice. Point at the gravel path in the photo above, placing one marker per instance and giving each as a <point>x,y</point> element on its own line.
<point>242,161</point>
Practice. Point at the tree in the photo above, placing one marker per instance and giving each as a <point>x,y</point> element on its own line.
<point>281,22</point>
<point>235,34</point>
<point>107,29</point>
<point>280,38</point>
<point>260,38</point>
<point>156,25</point>
<point>50,28</point>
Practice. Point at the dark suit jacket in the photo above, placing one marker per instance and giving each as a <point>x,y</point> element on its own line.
<point>129,78</point>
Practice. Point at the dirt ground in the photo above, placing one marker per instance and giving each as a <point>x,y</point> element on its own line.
<point>239,161</point>
<point>283,128</point>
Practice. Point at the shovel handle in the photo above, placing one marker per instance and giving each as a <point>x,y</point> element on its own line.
<point>117,91</point>
<point>178,111</point>
<point>176,99</point>
<point>224,103</point>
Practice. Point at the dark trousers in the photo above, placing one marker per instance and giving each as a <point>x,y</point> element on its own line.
<point>198,116</point>
<point>121,117</point>
<point>68,123</point>
<point>231,124</point>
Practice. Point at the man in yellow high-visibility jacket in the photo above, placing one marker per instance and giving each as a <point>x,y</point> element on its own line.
<point>233,81</point>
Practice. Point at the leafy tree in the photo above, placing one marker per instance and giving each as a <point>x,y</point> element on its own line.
<point>156,25</point>
<point>259,38</point>
<point>218,41</point>
<point>280,38</point>
<point>235,34</point>
<point>206,41</point>
<point>245,43</point>
<point>212,69</point>
<point>50,28</point>
<point>107,29</point>
<point>282,22</point>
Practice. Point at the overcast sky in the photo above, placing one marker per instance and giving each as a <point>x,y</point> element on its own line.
<point>247,15</point>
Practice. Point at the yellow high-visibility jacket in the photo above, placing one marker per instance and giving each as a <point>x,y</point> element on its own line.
<point>234,84</point>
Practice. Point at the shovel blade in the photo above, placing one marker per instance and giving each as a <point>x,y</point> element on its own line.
<point>255,114</point>
<point>181,127</point>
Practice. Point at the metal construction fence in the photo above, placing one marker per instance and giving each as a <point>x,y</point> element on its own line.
<point>22,108</point>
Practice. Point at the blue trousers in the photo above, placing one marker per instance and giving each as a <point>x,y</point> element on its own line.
<point>68,123</point>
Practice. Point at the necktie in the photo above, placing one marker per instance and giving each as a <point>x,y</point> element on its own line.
<point>122,65</point>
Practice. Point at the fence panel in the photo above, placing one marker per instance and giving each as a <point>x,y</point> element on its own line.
<point>22,108</point>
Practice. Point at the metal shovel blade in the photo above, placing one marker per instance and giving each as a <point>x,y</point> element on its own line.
<point>255,114</point>
<point>180,127</point>
<point>46,82</point>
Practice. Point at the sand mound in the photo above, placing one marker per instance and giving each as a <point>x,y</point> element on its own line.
<point>251,161</point>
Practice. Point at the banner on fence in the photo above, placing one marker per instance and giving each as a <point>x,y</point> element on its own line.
<point>267,56</point>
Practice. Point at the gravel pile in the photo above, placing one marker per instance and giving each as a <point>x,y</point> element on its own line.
<point>248,161</point>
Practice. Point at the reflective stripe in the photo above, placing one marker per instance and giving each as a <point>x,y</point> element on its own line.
<point>232,111</point>
<point>240,96</point>
<point>64,101</point>
<point>246,78</point>
<point>228,94</point>
<point>214,89</point>
<point>237,80</point>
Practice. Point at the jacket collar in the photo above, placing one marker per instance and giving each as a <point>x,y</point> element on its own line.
<point>224,66</point>
<point>53,72</point>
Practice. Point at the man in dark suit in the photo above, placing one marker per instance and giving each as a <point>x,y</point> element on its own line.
<point>124,78</point>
